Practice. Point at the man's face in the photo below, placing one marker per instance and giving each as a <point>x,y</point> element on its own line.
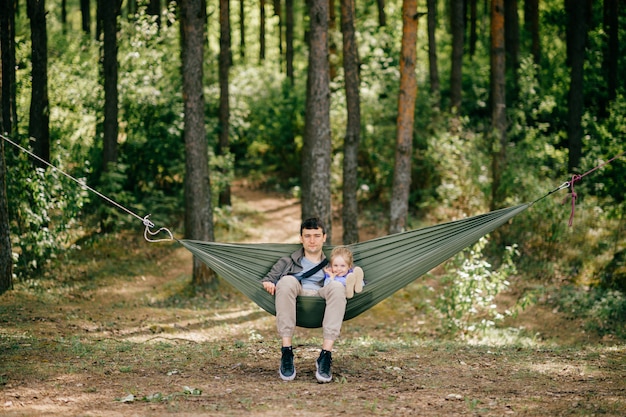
<point>312,240</point>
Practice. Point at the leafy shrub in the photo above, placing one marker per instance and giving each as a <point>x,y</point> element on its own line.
<point>469,287</point>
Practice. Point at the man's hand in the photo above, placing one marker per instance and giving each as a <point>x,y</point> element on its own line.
<point>269,287</point>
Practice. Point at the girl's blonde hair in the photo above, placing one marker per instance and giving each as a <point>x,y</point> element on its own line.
<point>345,253</point>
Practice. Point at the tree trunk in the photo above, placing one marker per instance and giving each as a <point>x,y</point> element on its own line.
<point>198,209</point>
<point>576,39</point>
<point>498,99</point>
<point>6,258</point>
<point>332,45</point>
<point>39,122</point>
<point>262,31</point>
<point>278,13</point>
<point>8,82</point>
<point>224,116</point>
<point>85,12</point>
<point>406,115</point>
<point>353,125</point>
<point>316,150</point>
<point>109,29</point>
<point>511,41</point>
<point>242,30</point>
<point>382,18</point>
<point>458,38</point>
<point>432,53</point>
<point>531,22</point>
<point>289,39</point>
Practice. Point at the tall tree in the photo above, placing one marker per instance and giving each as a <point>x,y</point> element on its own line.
<point>457,23</point>
<point>39,122</point>
<point>224,116</point>
<point>262,31</point>
<point>382,18</point>
<point>433,68</point>
<point>85,12</point>
<point>242,29</point>
<point>289,23</point>
<point>353,125</point>
<point>531,23</point>
<point>278,13</point>
<point>8,118</point>
<point>154,9</point>
<point>110,72</point>
<point>399,207</point>
<point>511,39</point>
<point>498,98</point>
<point>8,83</point>
<point>577,15</point>
<point>332,45</point>
<point>317,143</point>
<point>198,207</point>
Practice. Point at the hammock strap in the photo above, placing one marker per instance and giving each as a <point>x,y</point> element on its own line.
<point>146,222</point>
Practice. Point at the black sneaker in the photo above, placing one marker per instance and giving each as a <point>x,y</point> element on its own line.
<point>287,371</point>
<point>323,364</point>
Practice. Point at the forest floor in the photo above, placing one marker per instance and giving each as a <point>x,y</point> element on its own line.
<point>114,330</point>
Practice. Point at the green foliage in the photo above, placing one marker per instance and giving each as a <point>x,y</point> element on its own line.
<point>44,208</point>
<point>602,311</point>
<point>469,287</point>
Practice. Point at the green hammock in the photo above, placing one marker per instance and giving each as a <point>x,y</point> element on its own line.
<point>390,262</point>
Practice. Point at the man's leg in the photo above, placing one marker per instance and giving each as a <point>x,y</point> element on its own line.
<point>287,290</point>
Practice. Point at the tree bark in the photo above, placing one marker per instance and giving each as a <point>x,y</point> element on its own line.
<point>473,31</point>
<point>406,115</point>
<point>432,53</point>
<point>8,81</point>
<point>576,39</point>
<point>242,30</point>
<point>511,40</point>
<point>316,199</point>
<point>224,116</point>
<point>110,70</point>
<point>531,22</point>
<point>85,12</point>
<point>353,126</point>
<point>39,122</point>
<point>198,209</point>
<point>262,31</point>
<point>382,17</point>
<point>289,23</point>
<point>498,99</point>
<point>6,258</point>
<point>458,38</point>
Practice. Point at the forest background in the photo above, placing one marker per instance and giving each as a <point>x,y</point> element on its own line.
<point>562,89</point>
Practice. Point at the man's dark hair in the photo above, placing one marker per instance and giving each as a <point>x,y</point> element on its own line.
<point>312,223</point>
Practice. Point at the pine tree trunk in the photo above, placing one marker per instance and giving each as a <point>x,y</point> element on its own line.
<point>6,258</point>
<point>353,126</point>
<point>317,146</point>
<point>498,99</point>
<point>39,122</point>
<point>109,28</point>
<point>432,53</point>
<point>406,115</point>
<point>198,209</point>
<point>8,105</point>
<point>458,39</point>
<point>224,116</point>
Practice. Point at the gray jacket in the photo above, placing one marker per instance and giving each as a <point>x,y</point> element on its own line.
<point>288,265</point>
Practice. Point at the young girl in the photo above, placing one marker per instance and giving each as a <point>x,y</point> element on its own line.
<point>341,268</point>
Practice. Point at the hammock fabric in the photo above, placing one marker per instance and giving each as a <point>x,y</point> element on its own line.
<point>390,262</point>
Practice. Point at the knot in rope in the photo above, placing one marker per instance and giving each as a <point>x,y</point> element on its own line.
<point>148,232</point>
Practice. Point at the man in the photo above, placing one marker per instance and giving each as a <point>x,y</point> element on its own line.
<point>302,273</point>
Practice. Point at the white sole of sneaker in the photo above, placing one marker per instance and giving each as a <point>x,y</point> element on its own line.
<point>287,378</point>
<point>319,377</point>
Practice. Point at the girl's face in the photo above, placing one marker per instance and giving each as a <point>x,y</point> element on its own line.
<point>340,266</point>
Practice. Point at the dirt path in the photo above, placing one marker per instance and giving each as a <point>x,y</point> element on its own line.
<point>137,343</point>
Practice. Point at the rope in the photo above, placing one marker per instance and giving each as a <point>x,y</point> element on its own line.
<point>577,177</point>
<point>144,220</point>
